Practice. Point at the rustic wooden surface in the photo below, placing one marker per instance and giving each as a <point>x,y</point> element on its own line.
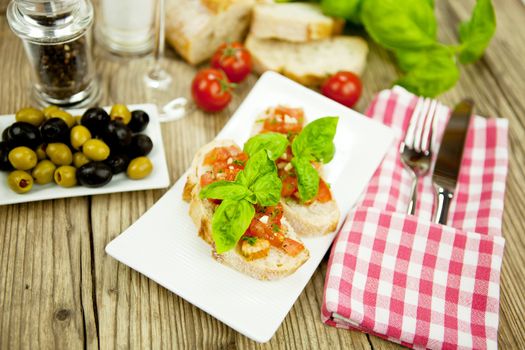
<point>59,290</point>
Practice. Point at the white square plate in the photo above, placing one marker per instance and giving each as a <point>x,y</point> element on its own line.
<point>159,177</point>
<point>163,244</point>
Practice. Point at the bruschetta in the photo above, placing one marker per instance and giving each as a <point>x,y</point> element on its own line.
<point>318,214</point>
<point>222,188</point>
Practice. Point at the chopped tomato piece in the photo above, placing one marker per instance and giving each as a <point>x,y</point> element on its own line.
<point>226,163</point>
<point>207,178</point>
<point>284,120</point>
<point>324,195</point>
<point>289,186</point>
<point>292,247</point>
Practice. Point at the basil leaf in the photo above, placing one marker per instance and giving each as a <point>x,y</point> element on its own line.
<point>307,178</point>
<point>435,73</point>
<point>224,190</point>
<point>347,9</point>
<point>257,165</point>
<point>476,33</point>
<point>267,189</point>
<point>274,143</point>
<point>400,24</point>
<point>230,220</point>
<point>315,142</point>
<point>409,59</point>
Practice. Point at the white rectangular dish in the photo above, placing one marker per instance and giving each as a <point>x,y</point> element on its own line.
<point>163,244</point>
<point>159,177</point>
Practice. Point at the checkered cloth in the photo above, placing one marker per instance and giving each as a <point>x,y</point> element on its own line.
<point>414,282</point>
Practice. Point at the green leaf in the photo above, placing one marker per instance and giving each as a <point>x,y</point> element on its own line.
<point>257,165</point>
<point>229,222</point>
<point>435,73</point>
<point>400,24</point>
<point>475,34</point>
<point>347,9</point>
<point>307,178</point>
<point>410,59</point>
<point>274,143</point>
<point>224,190</point>
<point>315,142</point>
<point>267,189</point>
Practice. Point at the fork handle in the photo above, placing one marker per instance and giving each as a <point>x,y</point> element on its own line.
<point>413,197</point>
<point>444,197</point>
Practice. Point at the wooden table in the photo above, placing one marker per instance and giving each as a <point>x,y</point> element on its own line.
<point>59,289</point>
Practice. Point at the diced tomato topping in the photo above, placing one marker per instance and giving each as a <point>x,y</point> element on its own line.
<point>292,247</point>
<point>324,195</point>
<point>226,163</point>
<point>207,178</point>
<point>289,185</point>
<point>284,120</point>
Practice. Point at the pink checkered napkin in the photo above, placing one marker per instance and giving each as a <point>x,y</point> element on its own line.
<point>406,279</point>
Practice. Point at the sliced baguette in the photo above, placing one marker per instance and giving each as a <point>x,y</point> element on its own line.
<point>298,22</point>
<point>309,63</point>
<point>276,265</point>
<point>195,28</point>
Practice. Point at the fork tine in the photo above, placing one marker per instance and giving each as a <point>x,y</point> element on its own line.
<point>426,141</point>
<point>421,123</point>
<point>410,134</point>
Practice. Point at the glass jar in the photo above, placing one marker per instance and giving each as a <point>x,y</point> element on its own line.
<point>57,40</point>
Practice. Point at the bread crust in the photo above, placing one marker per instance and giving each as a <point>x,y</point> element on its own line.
<point>276,265</point>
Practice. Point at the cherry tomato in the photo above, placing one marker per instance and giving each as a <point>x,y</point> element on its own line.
<point>234,60</point>
<point>211,90</point>
<point>343,87</point>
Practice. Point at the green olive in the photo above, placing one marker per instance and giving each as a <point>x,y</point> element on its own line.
<point>65,116</point>
<point>121,113</point>
<point>43,172</point>
<point>22,158</point>
<point>66,176</point>
<point>80,159</point>
<point>139,168</point>
<point>95,150</point>
<point>41,151</point>
<point>59,153</point>
<point>30,115</point>
<point>79,135</point>
<point>47,111</point>
<point>20,181</point>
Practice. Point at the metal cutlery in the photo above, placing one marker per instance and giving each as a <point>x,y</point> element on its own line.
<point>416,149</point>
<point>448,161</point>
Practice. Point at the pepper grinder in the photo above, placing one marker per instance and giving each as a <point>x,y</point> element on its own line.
<point>56,36</point>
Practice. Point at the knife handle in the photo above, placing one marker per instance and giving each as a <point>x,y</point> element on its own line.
<point>444,197</point>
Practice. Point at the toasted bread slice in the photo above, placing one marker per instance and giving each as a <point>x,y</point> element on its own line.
<point>276,265</point>
<point>309,63</point>
<point>298,22</point>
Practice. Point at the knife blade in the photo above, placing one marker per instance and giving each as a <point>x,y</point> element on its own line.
<point>448,161</point>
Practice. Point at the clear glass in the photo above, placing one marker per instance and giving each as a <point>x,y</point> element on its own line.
<point>126,27</point>
<point>58,45</point>
<point>155,83</point>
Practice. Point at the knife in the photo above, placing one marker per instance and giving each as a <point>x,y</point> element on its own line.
<point>448,161</point>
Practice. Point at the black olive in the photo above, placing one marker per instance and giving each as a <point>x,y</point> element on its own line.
<point>117,135</point>
<point>140,146</point>
<point>117,162</point>
<point>4,134</point>
<point>139,120</point>
<point>55,130</point>
<point>96,120</point>
<point>94,174</point>
<point>23,134</point>
<point>5,164</point>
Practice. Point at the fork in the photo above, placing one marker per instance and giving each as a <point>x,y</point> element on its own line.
<point>416,149</point>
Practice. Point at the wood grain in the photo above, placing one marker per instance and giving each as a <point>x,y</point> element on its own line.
<point>59,289</point>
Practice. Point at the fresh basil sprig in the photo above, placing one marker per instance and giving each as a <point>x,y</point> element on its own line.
<point>257,183</point>
<point>274,143</point>
<point>314,143</point>
<point>409,27</point>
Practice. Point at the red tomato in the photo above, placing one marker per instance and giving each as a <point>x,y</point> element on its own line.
<point>234,60</point>
<point>292,247</point>
<point>211,90</point>
<point>289,185</point>
<point>284,120</point>
<point>324,195</point>
<point>343,87</point>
